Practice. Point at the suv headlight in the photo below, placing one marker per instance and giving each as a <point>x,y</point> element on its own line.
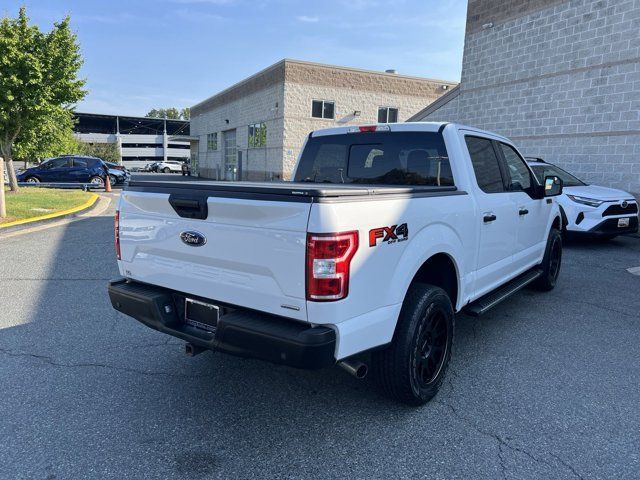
<point>592,202</point>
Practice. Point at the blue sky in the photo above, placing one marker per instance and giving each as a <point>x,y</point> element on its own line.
<point>141,54</point>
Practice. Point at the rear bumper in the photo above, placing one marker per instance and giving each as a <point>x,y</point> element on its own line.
<point>240,332</point>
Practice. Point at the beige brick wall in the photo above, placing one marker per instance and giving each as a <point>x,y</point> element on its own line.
<point>293,85</point>
<point>256,107</point>
<point>563,82</point>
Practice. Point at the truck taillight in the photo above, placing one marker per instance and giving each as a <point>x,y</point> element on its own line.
<point>116,231</point>
<point>328,260</point>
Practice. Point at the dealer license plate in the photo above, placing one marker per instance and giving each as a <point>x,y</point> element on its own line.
<point>623,222</point>
<point>201,315</point>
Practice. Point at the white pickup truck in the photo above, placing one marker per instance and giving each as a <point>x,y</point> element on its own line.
<point>386,232</point>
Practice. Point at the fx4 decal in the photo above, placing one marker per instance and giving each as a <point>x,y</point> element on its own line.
<point>389,234</point>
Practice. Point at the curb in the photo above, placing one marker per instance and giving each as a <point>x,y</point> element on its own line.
<point>50,216</point>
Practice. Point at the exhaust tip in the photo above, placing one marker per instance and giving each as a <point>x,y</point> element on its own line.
<point>361,371</point>
<point>355,368</point>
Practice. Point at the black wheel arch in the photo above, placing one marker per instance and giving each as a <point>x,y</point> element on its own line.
<point>439,270</point>
<point>563,220</point>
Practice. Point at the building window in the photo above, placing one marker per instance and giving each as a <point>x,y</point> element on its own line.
<point>258,135</point>
<point>387,115</point>
<point>212,141</point>
<point>322,109</point>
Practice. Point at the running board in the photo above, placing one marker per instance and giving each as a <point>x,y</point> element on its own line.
<point>490,300</point>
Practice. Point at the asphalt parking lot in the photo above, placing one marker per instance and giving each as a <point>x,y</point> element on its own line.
<point>547,385</point>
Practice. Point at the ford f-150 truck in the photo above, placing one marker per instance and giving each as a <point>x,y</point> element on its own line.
<point>385,233</point>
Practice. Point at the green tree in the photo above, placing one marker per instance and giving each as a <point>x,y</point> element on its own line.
<point>171,113</point>
<point>38,81</point>
<point>53,136</point>
<point>106,151</point>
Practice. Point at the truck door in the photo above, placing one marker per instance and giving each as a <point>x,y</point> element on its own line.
<point>496,216</point>
<point>532,213</point>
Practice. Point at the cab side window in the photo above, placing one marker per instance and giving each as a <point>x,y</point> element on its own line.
<point>485,164</point>
<point>518,171</point>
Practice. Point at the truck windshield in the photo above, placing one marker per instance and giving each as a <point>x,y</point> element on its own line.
<point>376,158</point>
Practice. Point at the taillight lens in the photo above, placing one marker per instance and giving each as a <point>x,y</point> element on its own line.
<point>116,231</point>
<point>328,260</point>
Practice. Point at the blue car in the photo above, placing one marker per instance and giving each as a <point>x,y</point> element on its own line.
<point>70,168</point>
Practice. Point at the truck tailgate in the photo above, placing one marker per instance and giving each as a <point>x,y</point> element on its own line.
<point>253,256</point>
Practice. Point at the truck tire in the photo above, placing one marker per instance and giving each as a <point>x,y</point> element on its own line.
<point>551,262</point>
<point>413,367</point>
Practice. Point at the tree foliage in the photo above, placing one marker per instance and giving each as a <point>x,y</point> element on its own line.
<point>106,151</point>
<point>53,136</point>
<point>169,113</point>
<point>38,84</point>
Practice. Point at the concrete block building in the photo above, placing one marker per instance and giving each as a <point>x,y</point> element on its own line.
<point>559,77</point>
<point>255,129</point>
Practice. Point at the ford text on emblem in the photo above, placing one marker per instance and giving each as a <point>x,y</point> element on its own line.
<point>193,238</point>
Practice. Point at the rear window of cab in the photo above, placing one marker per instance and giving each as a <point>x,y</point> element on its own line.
<point>376,158</point>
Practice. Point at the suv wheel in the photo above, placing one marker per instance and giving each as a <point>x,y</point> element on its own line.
<point>551,262</point>
<point>413,367</point>
<point>113,179</point>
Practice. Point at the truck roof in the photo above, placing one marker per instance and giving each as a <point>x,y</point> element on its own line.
<point>403,127</point>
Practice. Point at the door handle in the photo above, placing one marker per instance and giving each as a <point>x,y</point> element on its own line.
<point>523,211</point>
<point>489,217</point>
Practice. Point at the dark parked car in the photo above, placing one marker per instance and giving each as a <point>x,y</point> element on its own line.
<point>69,169</point>
<point>118,168</point>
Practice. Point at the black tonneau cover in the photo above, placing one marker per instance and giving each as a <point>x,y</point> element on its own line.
<point>285,191</point>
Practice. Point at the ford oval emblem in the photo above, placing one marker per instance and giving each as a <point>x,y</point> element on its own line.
<point>193,238</point>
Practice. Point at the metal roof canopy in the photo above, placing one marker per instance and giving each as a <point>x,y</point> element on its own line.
<point>111,124</point>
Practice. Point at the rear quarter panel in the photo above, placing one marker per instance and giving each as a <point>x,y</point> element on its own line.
<point>381,274</point>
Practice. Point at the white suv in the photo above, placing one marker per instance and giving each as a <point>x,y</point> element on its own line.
<point>590,209</point>
<point>170,166</point>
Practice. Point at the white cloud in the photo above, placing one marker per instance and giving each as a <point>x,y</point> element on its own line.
<point>191,16</point>
<point>307,19</point>
<point>106,19</point>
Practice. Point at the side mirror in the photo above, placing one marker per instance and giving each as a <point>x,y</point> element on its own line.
<point>552,186</point>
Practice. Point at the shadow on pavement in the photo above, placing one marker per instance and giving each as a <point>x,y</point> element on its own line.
<point>89,392</point>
